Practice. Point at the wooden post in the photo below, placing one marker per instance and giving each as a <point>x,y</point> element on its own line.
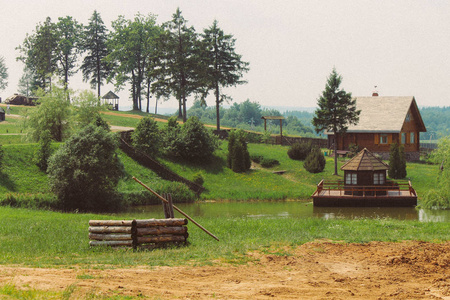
<point>179,210</point>
<point>281,132</point>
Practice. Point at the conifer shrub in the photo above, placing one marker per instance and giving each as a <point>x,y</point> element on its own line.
<point>238,158</point>
<point>269,162</point>
<point>44,151</point>
<point>196,142</point>
<point>397,162</point>
<point>299,151</point>
<point>315,161</point>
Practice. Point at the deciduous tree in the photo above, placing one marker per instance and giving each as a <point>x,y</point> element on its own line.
<point>3,74</point>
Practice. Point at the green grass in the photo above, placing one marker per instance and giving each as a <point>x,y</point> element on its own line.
<point>52,239</point>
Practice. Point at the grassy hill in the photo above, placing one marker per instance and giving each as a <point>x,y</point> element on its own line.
<point>20,175</point>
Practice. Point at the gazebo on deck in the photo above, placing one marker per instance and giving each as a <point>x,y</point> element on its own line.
<point>112,100</point>
<point>364,184</point>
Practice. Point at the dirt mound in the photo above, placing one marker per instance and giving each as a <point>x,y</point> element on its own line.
<point>319,270</point>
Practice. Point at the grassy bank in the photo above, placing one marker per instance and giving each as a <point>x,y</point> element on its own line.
<point>43,238</point>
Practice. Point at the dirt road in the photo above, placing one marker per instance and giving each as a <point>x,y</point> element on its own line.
<point>321,270</point>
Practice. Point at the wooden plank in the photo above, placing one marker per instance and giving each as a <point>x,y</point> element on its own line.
<point>110,237</point>
<point>110,229</point>
<point>160,222</point>
<point>110,243</point>
<point>110,222</point>
<point>161,239</point>
<point>160,230</point>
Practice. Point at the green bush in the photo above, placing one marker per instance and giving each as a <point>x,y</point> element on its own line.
<point>1,156</point>
<point>44,151</point>
<point>299,151</point>
<point>196,141</point>
<point>256,158</point>
<point>146,137</point>
<point>34,201</point>
<point>198,178</point>
<point>179,191</point>
<point>397,162</point>
<point>84,172</point>
<point>238,158</point>
<point>315,161</point>
<point>269,162</point>
<point>172,143</point>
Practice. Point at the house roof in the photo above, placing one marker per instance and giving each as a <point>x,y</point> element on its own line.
<point>385,114</point>
<point>110,95</point>
<point>364,161</point>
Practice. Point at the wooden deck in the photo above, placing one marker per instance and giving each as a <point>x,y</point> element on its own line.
<point>364,196</point>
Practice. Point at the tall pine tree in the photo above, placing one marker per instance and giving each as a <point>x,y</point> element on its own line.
<point>337,110</point>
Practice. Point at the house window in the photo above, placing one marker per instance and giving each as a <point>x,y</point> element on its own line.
<point>411,138</point>
<point>403,137</point>
<point>408,117</point>
<point>383,138</point>
<point>351,178</point>
<point>378,178</point>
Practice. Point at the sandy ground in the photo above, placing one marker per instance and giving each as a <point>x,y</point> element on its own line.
<point>319,270</point>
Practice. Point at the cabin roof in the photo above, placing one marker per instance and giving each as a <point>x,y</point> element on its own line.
<point>110,95</point>
<point>365,161</point>
<point>385,114</point>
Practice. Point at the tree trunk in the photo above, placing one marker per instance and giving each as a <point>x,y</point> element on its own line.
<point>217,107</point>
<point>335,153</point>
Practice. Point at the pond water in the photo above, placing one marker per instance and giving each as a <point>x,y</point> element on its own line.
<point>289,209</point>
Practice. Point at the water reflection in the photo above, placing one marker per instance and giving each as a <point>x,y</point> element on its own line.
<point>290,209</point>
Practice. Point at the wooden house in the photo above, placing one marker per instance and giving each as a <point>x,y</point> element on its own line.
<point>382,122</point>
<point>365,184</point>
<point>18,99</point>
<point>2,114</point>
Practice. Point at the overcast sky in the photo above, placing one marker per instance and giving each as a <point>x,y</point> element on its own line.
<point>401,46</point>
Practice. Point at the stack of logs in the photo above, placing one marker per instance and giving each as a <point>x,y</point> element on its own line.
<point>145,233</point>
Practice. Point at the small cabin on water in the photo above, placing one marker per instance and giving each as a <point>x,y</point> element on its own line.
<point>365,184</point>
<point>383,121</point>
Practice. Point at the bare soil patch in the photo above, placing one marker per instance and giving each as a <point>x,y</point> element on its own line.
<point>318,270</point>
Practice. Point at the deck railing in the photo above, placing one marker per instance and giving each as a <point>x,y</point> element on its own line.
<point>331,188</point>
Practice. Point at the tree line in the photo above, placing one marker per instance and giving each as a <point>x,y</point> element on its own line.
<point>170,59</point>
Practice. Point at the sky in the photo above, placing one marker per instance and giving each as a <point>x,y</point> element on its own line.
<point>402,47</point>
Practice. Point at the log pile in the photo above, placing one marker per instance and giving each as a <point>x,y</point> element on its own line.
<point>134,233</point>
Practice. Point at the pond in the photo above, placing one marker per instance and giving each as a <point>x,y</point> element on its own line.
<point>289,209</point>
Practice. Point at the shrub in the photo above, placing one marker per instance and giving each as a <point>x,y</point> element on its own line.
<point>299,151</point>
<point>256,158</point>
<point>397,162</point>
<point>198,178</point>
<point>179,191</point>
<point>353,148</point>
<point>146,138</point>
<point>44,151</point>
<point>315,161</point>
<point>34,201</point>
<point>172,143</point>
<point>197,142</point>
<point>1,156</point>
<point>266,137</point>
<point>238,158</point>
<point>269,162</point>
<point>84,172</point>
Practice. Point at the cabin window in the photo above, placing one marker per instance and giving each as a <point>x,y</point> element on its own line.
<point>403,137</point>
<point>411,138</point>
<point>408,117</point>
<point>350,178</point>
<point>378,178</point>
<point>383,138</point>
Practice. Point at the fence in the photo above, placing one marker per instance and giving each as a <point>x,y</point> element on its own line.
<point>137,233</point>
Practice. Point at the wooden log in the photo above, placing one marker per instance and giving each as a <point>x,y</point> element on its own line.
<point>110,243</point>
<point>110,222</point>
<point>110,229</point>
<point>160,230</point>
<point>110,237</point>
<point>160,222</point>
<point>161,239</point>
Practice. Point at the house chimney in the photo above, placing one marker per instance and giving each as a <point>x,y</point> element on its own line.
<point>375,92</point>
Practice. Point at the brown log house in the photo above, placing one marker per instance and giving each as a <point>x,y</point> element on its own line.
<point>382,122</point>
